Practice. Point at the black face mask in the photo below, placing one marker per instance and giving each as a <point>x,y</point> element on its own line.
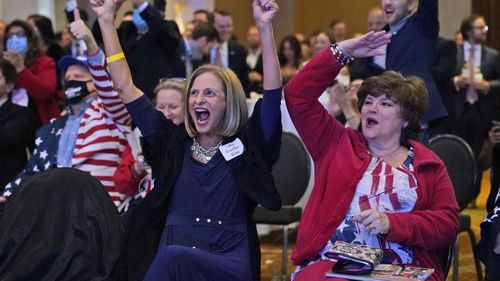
<point>75,91</point>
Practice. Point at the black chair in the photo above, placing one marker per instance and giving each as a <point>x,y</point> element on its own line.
<point>291,175</point>
<point>445,258</point>
<point>461,165</point>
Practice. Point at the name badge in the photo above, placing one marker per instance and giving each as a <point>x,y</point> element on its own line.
<point>232,149</point>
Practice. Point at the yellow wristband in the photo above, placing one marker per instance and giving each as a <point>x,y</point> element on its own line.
<point>115,57</point>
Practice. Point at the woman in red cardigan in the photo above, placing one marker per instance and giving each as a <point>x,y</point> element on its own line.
<point>36,72</point>
<point>377,187</point>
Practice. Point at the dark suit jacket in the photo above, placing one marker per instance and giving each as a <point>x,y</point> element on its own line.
<point>443,72</point>
<point>259,68</point>
<point>17,132</point>
<point>238,63</point>
<point>153,55</point>
<point>412,52</point>
<point>490,68</point>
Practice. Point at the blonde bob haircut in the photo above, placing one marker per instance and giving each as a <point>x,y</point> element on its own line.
<point>177,84</point>
<point>236,112</point>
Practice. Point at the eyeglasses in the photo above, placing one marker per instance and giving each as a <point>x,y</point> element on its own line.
<point>172,79</point>
<point>482,27</point>
<point>18,34</point>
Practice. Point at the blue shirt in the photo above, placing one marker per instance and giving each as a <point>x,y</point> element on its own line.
<point>393,29</point>
<point>67,141</point>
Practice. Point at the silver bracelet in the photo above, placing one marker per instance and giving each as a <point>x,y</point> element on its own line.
<point>339,55</point>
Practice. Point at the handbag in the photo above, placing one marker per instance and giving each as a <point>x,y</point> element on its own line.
<point>354,258</point>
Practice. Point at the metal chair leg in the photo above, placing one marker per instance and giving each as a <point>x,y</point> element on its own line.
<point>479,271</point>
<point>284,257</point>
<point>455,259</point>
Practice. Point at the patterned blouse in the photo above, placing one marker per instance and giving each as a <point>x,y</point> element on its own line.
<point>384,188</point>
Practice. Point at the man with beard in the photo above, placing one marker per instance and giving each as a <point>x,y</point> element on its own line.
<point>477,82</point>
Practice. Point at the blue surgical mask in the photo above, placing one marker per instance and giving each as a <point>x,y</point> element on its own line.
<point>18,44</point>
<point>138,21</point>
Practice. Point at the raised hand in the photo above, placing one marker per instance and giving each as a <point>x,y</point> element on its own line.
<point>264,11</point>
<point>368,45</point>
<point>80,30</point>
<point>15,59</point>
<point>104,9</point>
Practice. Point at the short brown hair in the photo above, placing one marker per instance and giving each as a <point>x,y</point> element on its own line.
<point>205,29</point>
<point>410,93</point>
<point>467,25</point>
<point>236,112</point>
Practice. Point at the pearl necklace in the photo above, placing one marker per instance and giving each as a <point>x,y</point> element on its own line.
<point>201,154</point>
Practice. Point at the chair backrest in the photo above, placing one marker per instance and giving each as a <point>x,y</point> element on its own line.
<point>292,171</point>
<point>460,163</point>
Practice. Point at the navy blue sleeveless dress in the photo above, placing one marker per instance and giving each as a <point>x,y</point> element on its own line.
<point>205,235</point>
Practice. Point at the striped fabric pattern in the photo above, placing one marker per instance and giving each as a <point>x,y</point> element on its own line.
<point>387,189</point>
<point>101,135</point>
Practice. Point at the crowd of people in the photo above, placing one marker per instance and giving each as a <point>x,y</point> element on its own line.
<point>159,120</point>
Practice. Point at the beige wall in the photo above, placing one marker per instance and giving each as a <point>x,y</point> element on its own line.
<point>314,15</point>
<point>451,14</point>
<point>303,16</point>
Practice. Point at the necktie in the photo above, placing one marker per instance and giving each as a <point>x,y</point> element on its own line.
<point>78,51</point>
<point>218,57</point>
<point>471,95</point>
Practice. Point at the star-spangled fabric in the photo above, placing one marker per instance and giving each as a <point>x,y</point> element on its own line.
<point>384,188</point>
<point>389,190</point>
<point>488,244</point>
<point>45,154</point>
<point>495,214</point>
<point>100,138</point>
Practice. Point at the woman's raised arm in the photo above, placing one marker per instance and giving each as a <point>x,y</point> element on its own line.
<point>118,67</point>
<point>263,13</point>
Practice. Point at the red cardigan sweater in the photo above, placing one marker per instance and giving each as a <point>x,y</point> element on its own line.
<point>40,81</point>
<point>340,158</point>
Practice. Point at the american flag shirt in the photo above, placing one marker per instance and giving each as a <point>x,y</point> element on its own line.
<point>100,137</point>
<point>386,189</point>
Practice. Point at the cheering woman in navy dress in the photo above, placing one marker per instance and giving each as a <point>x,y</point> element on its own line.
<point>210,172</point>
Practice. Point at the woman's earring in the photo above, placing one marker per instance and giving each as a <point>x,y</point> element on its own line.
<point>405,124</point>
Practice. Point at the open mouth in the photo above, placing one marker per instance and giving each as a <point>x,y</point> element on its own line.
<point>202,115</point>
<point>389,11</point>
<point>370,122</point>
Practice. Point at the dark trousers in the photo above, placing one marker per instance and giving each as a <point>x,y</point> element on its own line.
<point>473,128</point>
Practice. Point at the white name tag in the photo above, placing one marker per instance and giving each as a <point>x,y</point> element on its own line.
<point>232,149</point>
